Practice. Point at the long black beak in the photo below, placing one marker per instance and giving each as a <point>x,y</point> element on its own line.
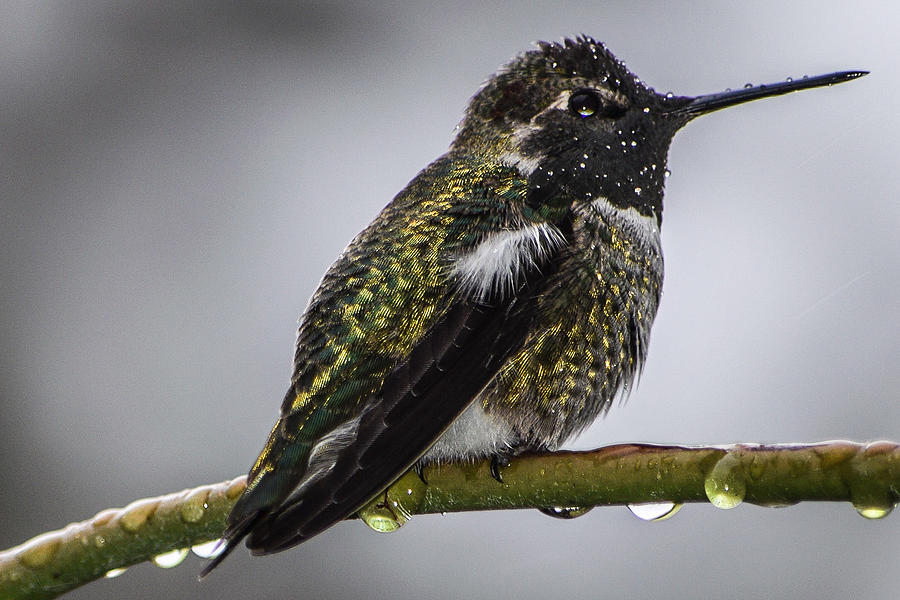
<point>710,102</point>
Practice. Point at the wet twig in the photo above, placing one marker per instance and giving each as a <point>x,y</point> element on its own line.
<point>561,483</point>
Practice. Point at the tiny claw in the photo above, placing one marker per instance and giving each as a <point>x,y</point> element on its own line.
<point>498,462</point>
<point>419,468</point>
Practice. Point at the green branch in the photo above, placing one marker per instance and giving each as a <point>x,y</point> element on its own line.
<point>561,483</point>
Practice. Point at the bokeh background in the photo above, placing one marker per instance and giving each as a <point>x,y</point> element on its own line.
<point>176,176</point>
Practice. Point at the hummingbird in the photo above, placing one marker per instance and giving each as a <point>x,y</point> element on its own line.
<point>498,304</point>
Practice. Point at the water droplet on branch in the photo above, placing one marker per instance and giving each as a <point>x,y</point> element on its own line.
<point>655,511</point>
<point>170,559</point>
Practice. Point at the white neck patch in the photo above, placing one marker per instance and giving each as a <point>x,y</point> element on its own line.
<point>524,165</point>
<point>642,229</point>
<point>498,262</point>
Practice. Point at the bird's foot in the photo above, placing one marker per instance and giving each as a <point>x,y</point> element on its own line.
<point>419,468</point>
<point>498,461</point>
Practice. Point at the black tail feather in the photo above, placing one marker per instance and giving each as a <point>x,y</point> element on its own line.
<point>231,538</point>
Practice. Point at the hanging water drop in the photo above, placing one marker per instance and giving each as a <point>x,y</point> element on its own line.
<point>566,512</point>
<point>384,516</point>
<point>870,499</point>
<point>382,523</point>
<point>170,559</point>
<point>654,511</point>
<point>873,512</point>
<point>209,549</point>
<point>113,573</point>
<point>872,503</point>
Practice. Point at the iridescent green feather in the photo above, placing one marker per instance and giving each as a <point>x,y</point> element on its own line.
<point>376,301</point>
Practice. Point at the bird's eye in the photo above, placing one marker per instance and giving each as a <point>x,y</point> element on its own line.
<point>585,103</point>
<point>588,103</point>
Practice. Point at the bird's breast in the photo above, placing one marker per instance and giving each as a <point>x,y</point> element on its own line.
<point>589,339</point>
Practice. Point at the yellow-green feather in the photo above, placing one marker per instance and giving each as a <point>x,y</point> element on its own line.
<point>375,303</point>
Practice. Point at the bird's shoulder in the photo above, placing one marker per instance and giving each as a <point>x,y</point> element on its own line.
<point>390,285</point>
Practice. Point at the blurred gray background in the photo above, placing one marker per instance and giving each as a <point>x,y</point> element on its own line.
<point>176,177</point>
